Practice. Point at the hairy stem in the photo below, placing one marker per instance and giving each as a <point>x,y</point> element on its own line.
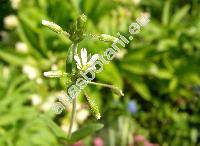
<point>75,46</point>
<point>72,117</point>
<point>115,89</point>
<point>75,50</point>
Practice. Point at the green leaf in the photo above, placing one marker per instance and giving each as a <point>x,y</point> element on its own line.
<point>11,58</point>
<point>110,70</point>
<point>85,131</point>
<point>178,16</point>
<point>56,130</point>
<point>139,85</point>
<point>166,13</point>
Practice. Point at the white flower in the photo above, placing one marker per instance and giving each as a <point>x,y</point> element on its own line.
<point>54,67</point>
<point>10,21</point>
<point>30,71</point>
<point>21,47</point>
<point>83,63</point>
<point>82,115</point>
<point>121,54</point>
<point>65,126</point>
<point>35,99</point>
<point>47,105</point>
<point>136,2</point>
<point>15,4</point>
<point>39,81</point>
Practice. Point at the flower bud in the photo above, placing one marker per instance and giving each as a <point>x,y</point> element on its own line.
<point>53,74</point>
<point>107,38</point>
<point>11,22</point>
<point>81,21</point>
<point>117,91</point>
<point>56,28</point>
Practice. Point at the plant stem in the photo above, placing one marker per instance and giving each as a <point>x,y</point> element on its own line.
<point>115,89</point>
<point>75,46</point>
<point>75,50</point>
<point>72,117</point>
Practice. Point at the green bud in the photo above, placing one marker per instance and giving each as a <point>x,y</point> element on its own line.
<point>81,22</point>
<point>117,91</point>
<point>53,74</point>
<point>107,38</point>
<point>56,28</point>
<point>77,29</point>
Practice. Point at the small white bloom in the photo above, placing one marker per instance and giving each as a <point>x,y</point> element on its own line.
<point>121,54</point>
<point>82,115</point>
<point>136,2</point>
<point>83,63</point>
<point>65,127</point>
<point>54,67</point>
<point>35,99</point>
<point>15,4</point>
<point>47,105</point>
<point>39,81</point>
<point>10,21</point>
<point>30,71</point>
<point>21,47</point>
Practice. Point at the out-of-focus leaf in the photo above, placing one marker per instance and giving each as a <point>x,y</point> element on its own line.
<point>12,58</point>
<point>166,12</point>
<point>85,131</point>
<point>110,74</point>
<point>56,130</point>
<point>179,15</point>
<point>139,85</point>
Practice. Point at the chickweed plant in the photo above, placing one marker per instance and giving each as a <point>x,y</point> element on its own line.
<point>77,65</point>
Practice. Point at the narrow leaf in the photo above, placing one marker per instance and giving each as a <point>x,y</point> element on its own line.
<point>85,131</point>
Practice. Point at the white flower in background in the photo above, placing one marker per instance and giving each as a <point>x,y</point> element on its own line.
<point>65,127</point>
<point>47,105</point>
<point>121,54</point>
<point>10,21</point>
<point>136,2</point>
<point>83,63</point>
<point>15,3</point>
<point>39,81</point>
<point>30,71</point>
<point>21,47</point>
<point>35,99</point>
<point>82,115</point>
<point>54,67</point>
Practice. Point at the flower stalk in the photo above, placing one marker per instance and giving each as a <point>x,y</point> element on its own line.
<point>74,52</point>
<point>115,89</point>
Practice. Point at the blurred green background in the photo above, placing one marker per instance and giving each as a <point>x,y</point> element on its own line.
<point>158,72</point>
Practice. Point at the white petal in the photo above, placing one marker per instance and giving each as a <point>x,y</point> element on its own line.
<point>93,59</point>
<point>79,67</point>
<point>78,61</point>
<point>84,56</point>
